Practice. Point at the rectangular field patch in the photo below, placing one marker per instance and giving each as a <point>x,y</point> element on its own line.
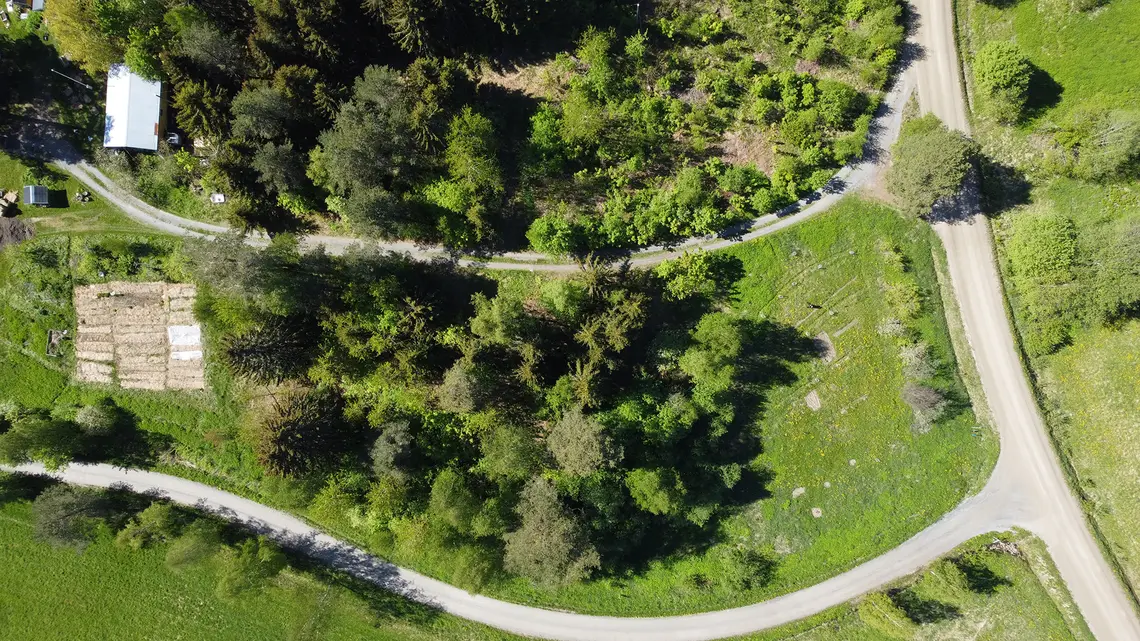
<point>139,336</point>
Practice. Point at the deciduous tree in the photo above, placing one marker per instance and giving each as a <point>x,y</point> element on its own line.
<point>549,547</point>
<point>930,162</point>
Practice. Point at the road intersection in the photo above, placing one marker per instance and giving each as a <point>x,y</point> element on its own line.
<point>1027,488</point>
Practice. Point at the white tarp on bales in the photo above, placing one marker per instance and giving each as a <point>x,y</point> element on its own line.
<point>134,106</point>
<point>184,335</point>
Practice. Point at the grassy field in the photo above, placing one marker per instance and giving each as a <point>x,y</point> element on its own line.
<point>859,459</point>
<point>66,215</point>
<point>1030,603</point>
<point>109,592</point>
<point>1090,385</point>
<point>1093,387</point>
<point>1087,56</point>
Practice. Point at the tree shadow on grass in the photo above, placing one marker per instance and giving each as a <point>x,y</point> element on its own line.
<point>1044,93</point>
<point>382,602</point>
<point>376,581</point>
<point>126,445</point>
<point>920,610</point>
<point>979,577</point>
<point>23,487</point>
<point>1002,187</point>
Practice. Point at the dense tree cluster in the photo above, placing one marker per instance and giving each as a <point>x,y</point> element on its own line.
<point>1067,277</point>
<point>547,427</point>
<point>378,114</point>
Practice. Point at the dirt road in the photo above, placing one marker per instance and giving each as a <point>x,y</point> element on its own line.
<point>1027,487</point>
<point>977,515</point>
<point>1035,475</point>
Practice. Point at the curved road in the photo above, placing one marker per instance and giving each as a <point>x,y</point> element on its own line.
<point>1036,479</point>
<point>976,515</point>
<point>884,131</point>
<point>1027,487</point>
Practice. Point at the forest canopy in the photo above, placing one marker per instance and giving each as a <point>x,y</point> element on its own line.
<point>548,427</point>
<point>567,126</point>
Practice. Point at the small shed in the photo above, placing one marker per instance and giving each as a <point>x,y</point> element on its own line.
<point>36,195</point>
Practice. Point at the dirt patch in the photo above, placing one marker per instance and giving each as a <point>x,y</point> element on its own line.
<point>14,231</point>
<point>749,146</point>
<point>825,347</point>
<point>140,335</point>
<point>536,81</point>
<point>807,66</point>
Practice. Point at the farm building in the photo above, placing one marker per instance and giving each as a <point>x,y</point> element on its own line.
<point>134,110</point>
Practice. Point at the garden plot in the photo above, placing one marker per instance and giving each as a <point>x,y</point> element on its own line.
<point>140,335</point>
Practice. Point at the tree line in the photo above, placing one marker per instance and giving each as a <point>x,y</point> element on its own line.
<point>377,115</point>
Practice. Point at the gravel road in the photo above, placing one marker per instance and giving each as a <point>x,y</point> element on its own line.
<point>1026,489</point>
<point>1035,476</point>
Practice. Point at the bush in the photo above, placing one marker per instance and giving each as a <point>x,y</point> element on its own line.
<point>1043,246</point>
<point>99,419</point>
<point>930,163</point>
<point>250,566</point>
<point>1003,72</point>
<point>198,543</point>
<point>1102,143</point>
<point>156,524</point>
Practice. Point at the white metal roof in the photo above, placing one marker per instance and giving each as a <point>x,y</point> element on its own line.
<point>133,108</point>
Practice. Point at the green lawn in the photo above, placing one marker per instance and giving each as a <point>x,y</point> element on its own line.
<point>66,215</point>
<point>1091,58</point>
<point>1029,604</point>
<point>108,592</point>
<point>1093,386</point>
<point>1094,53</point>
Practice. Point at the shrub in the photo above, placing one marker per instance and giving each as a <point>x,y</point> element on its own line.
<point>1003,72</point>
<point>156,524</point>
<point>199,542</point>
<point>250,566</point>
<point>1103,143</point>
<point>1043,246</point>
<point>930,163</point>
<point>98,419</point>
